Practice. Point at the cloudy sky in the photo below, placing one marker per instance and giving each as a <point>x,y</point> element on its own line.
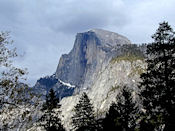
<point>45,29</point>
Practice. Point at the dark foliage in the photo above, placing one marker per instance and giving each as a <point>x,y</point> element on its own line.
<point>50,119</point>
<point>110,120</point>
<point>132,50</point>
<point>121,115</point>
<point>145,124</point>
<point>83,118</point>
<point>158,86</point>
<point>51,101</point>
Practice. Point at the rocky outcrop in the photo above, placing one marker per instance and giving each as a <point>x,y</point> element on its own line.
<point>63,89</point>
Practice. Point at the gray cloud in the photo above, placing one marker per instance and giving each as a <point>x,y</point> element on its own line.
<point>145,16</point>
<point>45,29</point>
<point>77,15</point>
<point>9,12</point>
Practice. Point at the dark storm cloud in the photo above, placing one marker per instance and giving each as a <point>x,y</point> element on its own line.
<point>45,29</point>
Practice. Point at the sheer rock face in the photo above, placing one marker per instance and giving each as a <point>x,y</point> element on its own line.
<point>91,50</point>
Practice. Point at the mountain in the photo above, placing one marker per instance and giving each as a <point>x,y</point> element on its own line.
<point>91,50</point>
<point>100,63</point>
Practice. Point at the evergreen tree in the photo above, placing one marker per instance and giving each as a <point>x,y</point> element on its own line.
<point>145,124</point>
<point>122,115</point>
<point>51,101</point>
<point>158,82</point>
<point>83,118</point>
<point>50,119</point>
<point>111,119</point>
<point>99,124</point>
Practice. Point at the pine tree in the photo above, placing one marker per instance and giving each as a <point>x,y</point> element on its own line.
<point>111,119</point>
<point>145,124</point>
<point>50,119</point>
<point>83,118</point>
<point>51,101</point>
<point>122,115</point>
<point>158,82</point>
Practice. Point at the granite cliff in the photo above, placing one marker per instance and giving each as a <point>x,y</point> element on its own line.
<point>91,50</point>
